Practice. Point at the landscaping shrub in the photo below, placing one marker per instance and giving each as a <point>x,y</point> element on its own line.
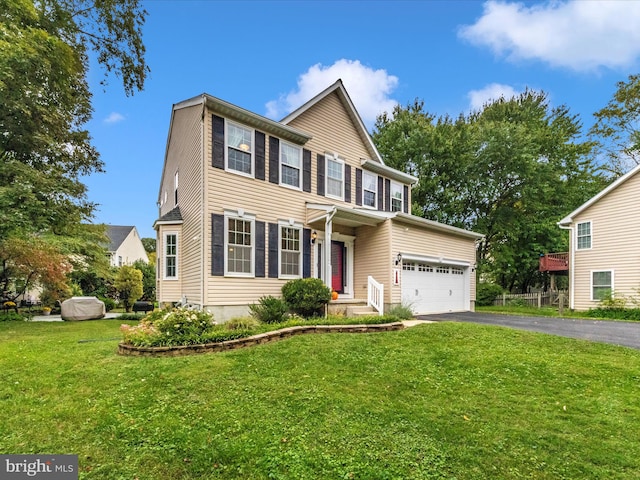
<point>109,303</point>
<point>403,312</point>
<point>517,302</point>
<point>632,314</point>
<point>269,309</point>
<point>242,323</point>
<point>176,326</point>
<point>486,293</point>
<point>306,296</point>
<point>11,316</point>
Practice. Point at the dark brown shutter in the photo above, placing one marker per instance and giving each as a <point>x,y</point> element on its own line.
<point>274,160</point>
<point>306,170</point>
<point>321,175</point>
<point>358,187</point>
<point>406,199</point>
<point>347,183</point>
<point>380,189</point>
<point>260,155</point>
<point>387,195</point>
<point>260,239</point>
<point>306,253</point>
<point>218,141</point>
<point>273,250</point>
<point>217,244</point>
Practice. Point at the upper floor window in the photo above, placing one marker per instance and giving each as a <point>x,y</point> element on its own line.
<point>170,255</point>
<point>290,251</point>
<point>290,165</point>
<point>369,189</point>
<point>396,197</point>
<point>583,236</point>
<point>335,178</point>
<point>239,148</point>
<point>239,245</point>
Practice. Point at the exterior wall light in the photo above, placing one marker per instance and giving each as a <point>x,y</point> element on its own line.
<point>314,236</point>
<point>398,259</point>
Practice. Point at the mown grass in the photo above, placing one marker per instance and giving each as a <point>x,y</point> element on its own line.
<point>444,400</point>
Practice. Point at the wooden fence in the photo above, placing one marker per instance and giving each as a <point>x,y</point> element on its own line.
<point>558,299</point>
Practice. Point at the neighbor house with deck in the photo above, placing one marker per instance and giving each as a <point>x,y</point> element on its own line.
<point>247,203</point>
<point>604,252</point>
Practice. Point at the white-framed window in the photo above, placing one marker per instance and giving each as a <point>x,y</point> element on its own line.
<point>442,269</point>
<point>239,141</point>
<point>583,236</point>
<point>457,271</point>
<point>423,267</point>
<point>239,237</point>
<point>409,266</point>
<point>601,284</point>
<point>369,190</point>
<point>290,165</point>
<point>170,255</point>
<point>335,178</point>
<point>290,251</point>
<point>119,260</point>
<point>397,192</point>
<point>175,188</point>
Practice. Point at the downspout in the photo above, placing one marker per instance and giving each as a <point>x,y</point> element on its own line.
<point>202,203</point>
<point>328,230</point>
<point>571,266</point>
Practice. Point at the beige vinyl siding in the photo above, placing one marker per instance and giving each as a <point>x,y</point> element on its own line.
<point>423,241</point>
<point>333,132</point>
<point>615,244</point>
<point>183,155</point>
<point>372,256</point>
<point>168,290</point>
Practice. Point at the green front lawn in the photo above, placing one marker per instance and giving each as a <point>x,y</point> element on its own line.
<point>443,400</point>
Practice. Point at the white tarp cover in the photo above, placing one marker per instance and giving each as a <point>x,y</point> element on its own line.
<point>82,308</point>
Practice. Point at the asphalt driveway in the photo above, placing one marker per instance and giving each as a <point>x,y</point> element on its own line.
<point>617,333</point>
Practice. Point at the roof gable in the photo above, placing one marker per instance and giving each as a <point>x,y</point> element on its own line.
<point>117,234</point>
<point>616,184</point>
<point>341,92</point>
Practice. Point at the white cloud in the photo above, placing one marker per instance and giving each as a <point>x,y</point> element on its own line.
<point>580,35</point>
<point>369,89</point>
<point>114,117</point>
<point>493,91</point>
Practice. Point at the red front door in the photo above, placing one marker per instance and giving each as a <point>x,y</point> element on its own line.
<point>337,266</point>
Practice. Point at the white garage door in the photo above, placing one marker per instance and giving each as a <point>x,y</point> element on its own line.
<point>428,288</point>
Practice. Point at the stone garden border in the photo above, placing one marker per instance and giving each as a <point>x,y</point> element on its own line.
<point>181,350</point>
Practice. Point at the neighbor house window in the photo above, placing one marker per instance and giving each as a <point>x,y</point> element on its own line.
<point>601,284</point>
<point>583,234</point>
<point>239,245</point>
<point>396,197</point>
<point>239,148</point>
<point>335,178</point>
<point>369,190</point>
<point>290,251</point>
<point>290,165</point>
<point>170,255</point>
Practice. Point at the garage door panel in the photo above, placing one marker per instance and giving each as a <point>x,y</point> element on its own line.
<point>433,289</point>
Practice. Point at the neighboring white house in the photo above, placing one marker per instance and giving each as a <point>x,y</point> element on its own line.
<point>604,246</point>
<point>125,246</point>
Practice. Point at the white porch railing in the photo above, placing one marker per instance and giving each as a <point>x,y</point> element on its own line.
<point>375,295</point>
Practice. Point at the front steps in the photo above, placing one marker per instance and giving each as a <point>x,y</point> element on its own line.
<point>350,308</point>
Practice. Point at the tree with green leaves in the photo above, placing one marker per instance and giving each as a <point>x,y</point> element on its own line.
<point>149,244</point>
<point>508,171</point>
<point>148,270</point>
<point>129,285</point>
<point>617,127</point>
<point>45,150</point>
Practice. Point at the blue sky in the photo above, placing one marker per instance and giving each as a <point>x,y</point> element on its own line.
<point>270,57</point>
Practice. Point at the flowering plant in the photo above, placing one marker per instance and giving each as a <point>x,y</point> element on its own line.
<point>9,304</point>
<point>176,326</point>
<point>46,309</point>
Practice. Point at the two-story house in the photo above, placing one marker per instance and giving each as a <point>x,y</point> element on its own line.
<point>125,246</point>
<point>604,244</point>
<point>247,203</point>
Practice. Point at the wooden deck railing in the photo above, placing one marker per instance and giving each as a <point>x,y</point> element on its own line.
<point>554,262</point>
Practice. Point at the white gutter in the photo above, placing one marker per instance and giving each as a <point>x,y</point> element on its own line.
<point>571,265</point>
<point>203,202</point>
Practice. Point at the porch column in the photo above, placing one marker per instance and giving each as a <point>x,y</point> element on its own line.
<point>328,230</point>
<point>328,226</point>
